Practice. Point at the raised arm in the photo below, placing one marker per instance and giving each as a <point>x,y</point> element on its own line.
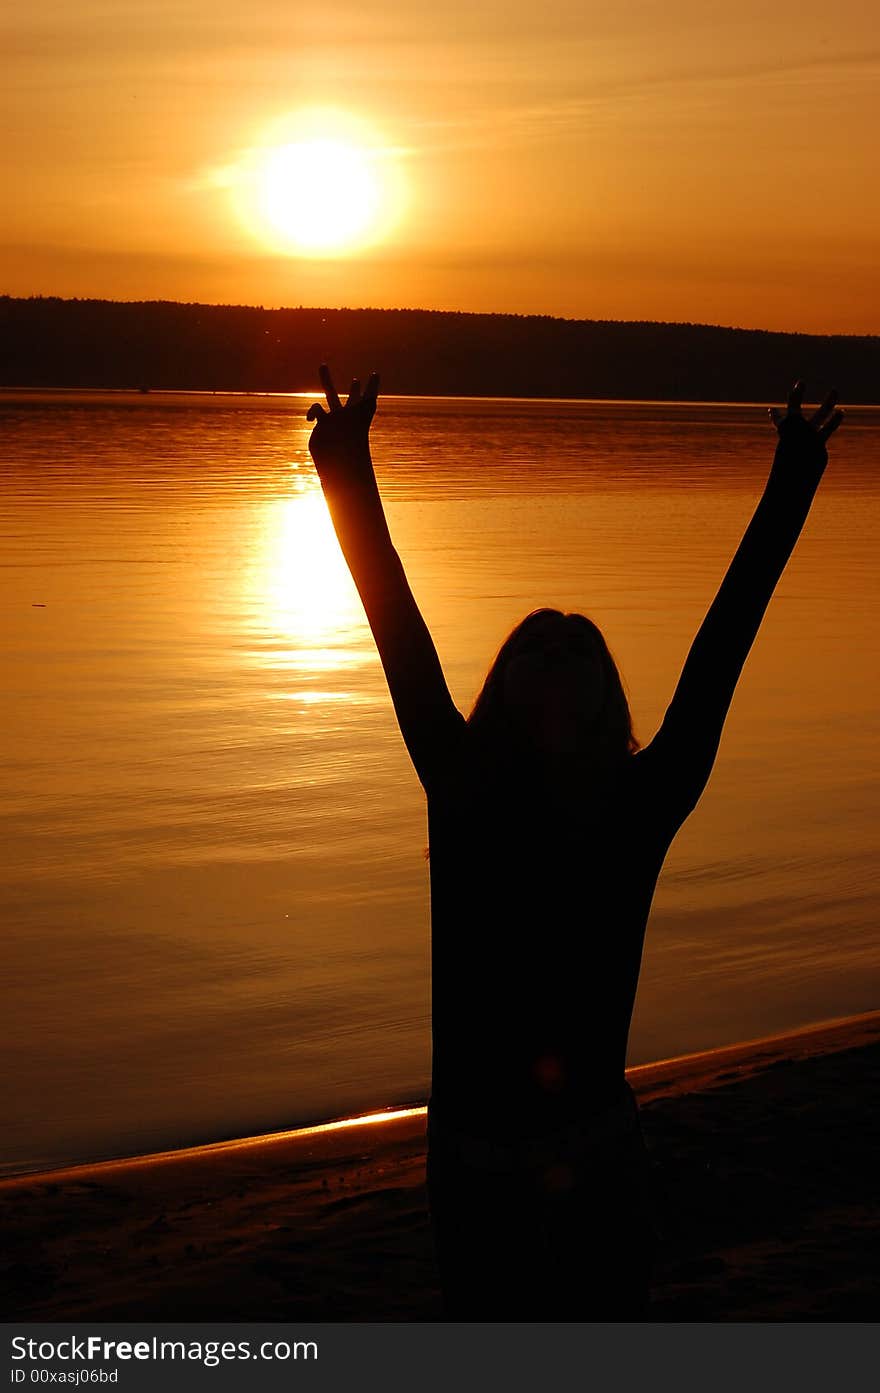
<point>431,725</point>
<point>679,759</point>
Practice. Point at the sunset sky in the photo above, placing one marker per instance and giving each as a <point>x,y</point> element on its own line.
<point>681,161</point>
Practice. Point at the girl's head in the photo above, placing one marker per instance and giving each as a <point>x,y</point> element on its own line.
<point>554,689</point>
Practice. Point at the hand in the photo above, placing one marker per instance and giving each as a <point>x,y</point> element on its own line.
<point>801,455</point>
<point>341,438</point>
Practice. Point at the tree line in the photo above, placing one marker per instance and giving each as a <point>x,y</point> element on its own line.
<point>51,342</point>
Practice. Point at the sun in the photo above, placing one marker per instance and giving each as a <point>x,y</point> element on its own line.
<point>321,195</point>
<point>318,183</point>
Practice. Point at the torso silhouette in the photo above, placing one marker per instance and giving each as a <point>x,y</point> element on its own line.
<point>540,893</point>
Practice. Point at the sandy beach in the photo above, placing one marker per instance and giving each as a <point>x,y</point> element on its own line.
<point>766,1157</point>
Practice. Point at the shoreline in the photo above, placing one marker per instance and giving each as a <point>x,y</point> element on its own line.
<point>26,392</point>
<point>765,1156</point>
<point>661,1078</point>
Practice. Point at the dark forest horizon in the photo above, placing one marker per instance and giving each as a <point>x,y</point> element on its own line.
<point>52,342</point>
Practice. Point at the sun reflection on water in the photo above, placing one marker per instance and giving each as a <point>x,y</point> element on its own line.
<point>305,596</point>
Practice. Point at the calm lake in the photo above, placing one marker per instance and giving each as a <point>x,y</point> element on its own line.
<point>212,873</point>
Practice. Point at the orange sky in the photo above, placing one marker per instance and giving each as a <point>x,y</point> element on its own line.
<point>684,161</point>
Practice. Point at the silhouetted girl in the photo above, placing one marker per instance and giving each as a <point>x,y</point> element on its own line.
<point>548,826</point>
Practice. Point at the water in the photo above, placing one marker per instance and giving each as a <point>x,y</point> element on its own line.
<point>212,870</point>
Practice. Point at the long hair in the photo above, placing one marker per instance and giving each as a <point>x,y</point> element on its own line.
<point>614,736</point>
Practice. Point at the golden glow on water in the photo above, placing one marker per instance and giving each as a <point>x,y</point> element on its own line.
<point>318,659</point>
<point>309,698</point>
<point>390,1115</point>
<point>212,872</point>
<point>189,1153</point>
<point>309,595</point>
